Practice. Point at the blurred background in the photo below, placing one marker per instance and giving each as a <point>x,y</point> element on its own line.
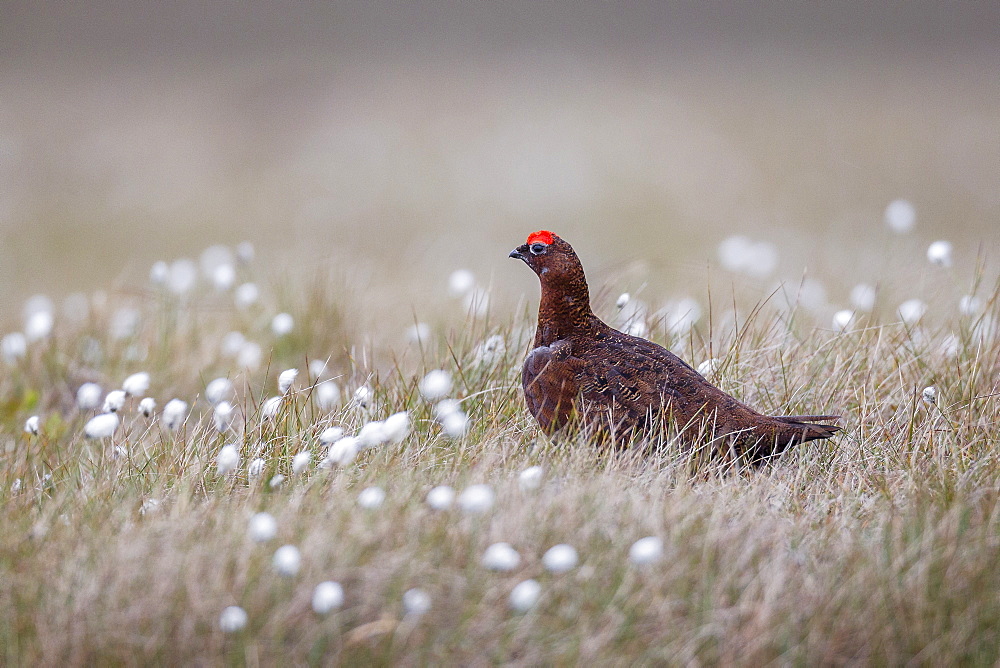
<point>402,141</point>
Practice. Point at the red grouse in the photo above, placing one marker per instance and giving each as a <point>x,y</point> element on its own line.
<point>619,387</point>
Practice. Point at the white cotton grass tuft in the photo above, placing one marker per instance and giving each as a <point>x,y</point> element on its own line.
<point>900,216</point>
<point>623,300</point>
<point>31,425</point>
<point>182,276</point>
<point>256,467</point>
<point>560,558</point>
<point>970,305</point>
<point>530,478</point>
<point>159,273</point>
<point>174,414</point>
<point>372,434</point>
<point>13,346</point>
<point>218,390</point>
<point>680,316</point>
<point>282,324</point>
<point>231,343</point>
<point>912,310</point>
<point>709,366</point>
<point>285,380</point>
<point>525,595</point>
<point>863,297</point>
<point>233,619</point>
<point>435,385</point>
<point>490,351</point>
<point>250,355</point>
<point>461,282</point>
<point>114,402</point>
<point>270,407</point>
<point>136,385</point>
<point>227,460</point>
<point>331,435</point>
<point>223,416</point>
<point>416,602</point>
<point>287,561</point>
<point>150,505</point>
<point>224,277</point>
<point>646,550</point>
<point>419,332</point>
<point>246,295</point>
<point>38,325</point>
<point>371,498</point>
<point>327,395</point>
<point>317,367</point>
<point>343,451</point>
<point>446,407</point>
<point>501,557</point>
<point>455,425</point>
<point>939,253</point>
<point>301,461</point>
<point>262,527</point>
<point>327,597</point>
<point>476,499</point>
<point>245,252</point>
<point>742,255</point>
<point>88,396</point>
<point>101,426</point>
<point>363,397</point>
<point>843,320</point>
<point>397,427</point>
<point>124,323</point>
<point>929,395</point>
<point>275,482</point>
<point>441,497</point>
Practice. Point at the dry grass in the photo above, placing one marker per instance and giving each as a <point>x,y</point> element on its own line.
<point>878,547</point>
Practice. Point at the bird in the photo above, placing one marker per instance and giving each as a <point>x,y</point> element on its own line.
<point>582,374</point>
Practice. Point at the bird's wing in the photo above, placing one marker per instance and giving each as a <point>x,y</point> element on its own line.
<point>551,384</point>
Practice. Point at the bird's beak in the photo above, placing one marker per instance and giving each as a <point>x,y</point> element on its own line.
<point>518,254</point>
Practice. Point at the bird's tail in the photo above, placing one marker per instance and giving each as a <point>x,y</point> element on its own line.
<point>802,428</point>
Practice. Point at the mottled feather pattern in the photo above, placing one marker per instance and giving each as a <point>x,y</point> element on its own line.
<point>617,385</point>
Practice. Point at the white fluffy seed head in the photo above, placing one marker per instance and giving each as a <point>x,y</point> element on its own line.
<point>331,435</point>
<point>623,299</point>
<point>223,416</point>
<point>227,460</point>
<point>275,482</point>
<point>939,253</point>
<point>269,409</point>
<point>416,602</point>
<point>245,252</point>
<point>38,325</point>
<point>282,324</point>
<point>970,305</point>
<point>418,333</point>
<point>525,595</point>
<point>233,619</point>
<point>286,378</point>
<point>327,395</point>
<point>371,498</point>
<point>929,395</point>
<point>397,427</point>
<point>900,216</point>
<point>455,425</point>
<point>174,413</point>
<point>446,407</point>
<point>256,467</point>
<point>246,295</point>
<point>115,401</point>
<point>363,397</point>
<point>182,276</point>
<point>13,347</point>
<point>300,462</point>
<point>249,355</point>
<point>327,597</point>
<point>560,558</point>
<point>31,425</point>
<point>223,277</point>
<point>912,310</point>
<point>843,319</point>
<point>435,385</point>
<point>476,499</point>
<point>343,451</point>
<point>287,561</point>
<point>646,550</point>
<point>501,557</point>
<point>101,426</point>
<point>372,434</point>
<point>159,273</point>
<point>863,297</point>
<point>220,389</point>
<point>709,366</point>
<point>262,528</point>
<point>88,396</point>
<point>137,384</point>
<point>441,497</point>
<point>530,478</point>
<point>461,282</point>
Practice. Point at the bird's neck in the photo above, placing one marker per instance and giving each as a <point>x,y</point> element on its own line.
<point>564,308</point>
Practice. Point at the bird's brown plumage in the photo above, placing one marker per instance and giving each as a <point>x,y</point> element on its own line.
<point>581,371</point>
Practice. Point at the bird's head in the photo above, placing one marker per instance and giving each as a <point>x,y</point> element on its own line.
<point>547,254</point>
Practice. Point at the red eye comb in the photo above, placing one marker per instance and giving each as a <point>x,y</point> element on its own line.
<point>540,237</point>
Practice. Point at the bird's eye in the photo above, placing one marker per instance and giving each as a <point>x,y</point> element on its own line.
<point>537,249</point>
